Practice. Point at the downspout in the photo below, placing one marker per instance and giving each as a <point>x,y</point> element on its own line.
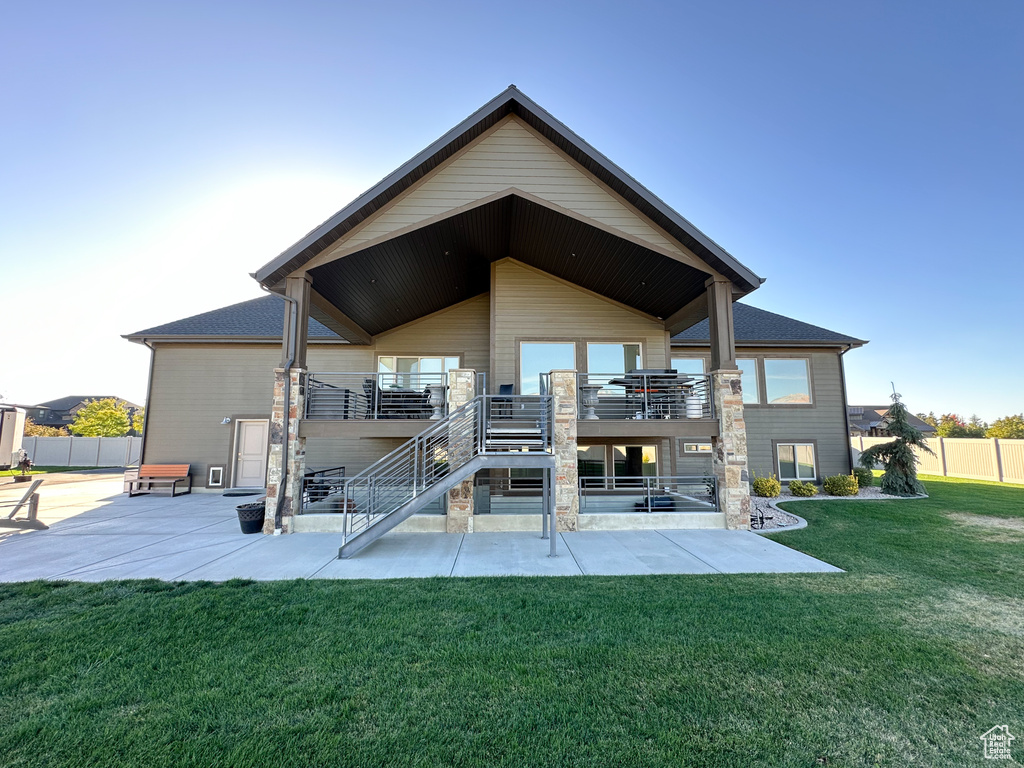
<point>846,408</point>
<point>292,344</point>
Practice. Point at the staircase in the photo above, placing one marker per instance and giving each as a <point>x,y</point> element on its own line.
<point>490,431</point>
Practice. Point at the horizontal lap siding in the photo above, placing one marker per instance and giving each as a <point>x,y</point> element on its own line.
<point>510,156</point>
<point>463,330</point>
<point>529,305</point>
<point>354,455</point>
<point>825,422</point>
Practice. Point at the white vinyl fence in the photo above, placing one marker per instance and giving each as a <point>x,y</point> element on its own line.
<point>83,451</point>
<point>977,458</point>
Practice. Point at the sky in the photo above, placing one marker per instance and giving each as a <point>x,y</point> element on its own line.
<point>866,158</point>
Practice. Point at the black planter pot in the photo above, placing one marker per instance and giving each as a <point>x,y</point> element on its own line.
<point>250,516</point>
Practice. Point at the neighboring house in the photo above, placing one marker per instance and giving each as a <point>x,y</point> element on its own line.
<point>506,312</point>
<point>62,411</point>
<point>872,421</point>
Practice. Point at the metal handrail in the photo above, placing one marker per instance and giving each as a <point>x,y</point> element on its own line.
<point>657,493</point>
<point>644,395</point>
<point>486,425</point>
<point>375,395</point>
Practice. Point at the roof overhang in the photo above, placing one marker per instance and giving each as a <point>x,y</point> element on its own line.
<point>509,102</point>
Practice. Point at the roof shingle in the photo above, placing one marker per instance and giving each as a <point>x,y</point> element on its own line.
<point>758,325</point>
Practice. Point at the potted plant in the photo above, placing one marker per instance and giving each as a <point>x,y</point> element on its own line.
<point>250,516</point>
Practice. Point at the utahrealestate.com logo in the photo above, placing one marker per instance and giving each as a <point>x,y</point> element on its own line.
<point>997,742</point>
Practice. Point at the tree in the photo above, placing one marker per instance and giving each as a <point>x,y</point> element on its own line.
<point>975,427</point>
<point>39,430</point>
<point>102,418</point>
<point>1007,428</point>
<point>897,456</point>
<point>929,419</point>
<point>951,425</point>
<point>138,421</point>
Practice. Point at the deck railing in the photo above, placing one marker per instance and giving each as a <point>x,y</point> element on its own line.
<point>376,395</point>
<point>644,395</point>
<point>655,493</point>
<point>322,489</point>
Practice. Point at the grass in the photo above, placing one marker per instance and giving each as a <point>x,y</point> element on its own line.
<point>44,470</point>
<point>903,661</point>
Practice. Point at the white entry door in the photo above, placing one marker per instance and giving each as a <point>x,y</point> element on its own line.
<point>251,453</point>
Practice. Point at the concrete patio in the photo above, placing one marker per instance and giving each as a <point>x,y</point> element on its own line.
<point>98,533</point>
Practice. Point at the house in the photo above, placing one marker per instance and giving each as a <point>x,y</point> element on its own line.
<point>62,411</point>
<point>871,421</point>
<point>508,324</point>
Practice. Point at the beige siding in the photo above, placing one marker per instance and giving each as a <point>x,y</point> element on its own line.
<point>510,156</point>
<point>461,330</point>
<point>531,305</point>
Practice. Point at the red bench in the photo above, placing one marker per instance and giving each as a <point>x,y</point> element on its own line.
<point>160,474</point>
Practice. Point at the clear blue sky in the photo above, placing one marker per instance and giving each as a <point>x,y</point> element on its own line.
<point>867,158</point>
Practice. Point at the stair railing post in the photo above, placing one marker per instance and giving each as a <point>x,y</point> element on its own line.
<point>553,552</point>
<point>344,512</point>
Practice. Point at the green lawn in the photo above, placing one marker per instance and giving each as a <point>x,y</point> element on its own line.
<point>43,470</point>
<point>903,661</point>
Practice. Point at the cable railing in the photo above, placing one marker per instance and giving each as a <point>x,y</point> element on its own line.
<point>644,394</point>
<point>487,425</point>
<point>376,395</point>
<point>647,494</point>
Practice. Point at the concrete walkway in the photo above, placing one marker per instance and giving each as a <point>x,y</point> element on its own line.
<point>98,533</point>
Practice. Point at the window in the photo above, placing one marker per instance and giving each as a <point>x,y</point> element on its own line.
<point>693,365</point>
<point>795,461</point>
<point>613,358</point>
<point>751,393</point>
<point>537,357</point>
<point>590,465</point>
<point>786,382</point>
<point>696,447</point>
<point>635,460</point>
<point>415,372</point>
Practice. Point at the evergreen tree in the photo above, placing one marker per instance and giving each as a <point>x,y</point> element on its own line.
<point>897,456</point>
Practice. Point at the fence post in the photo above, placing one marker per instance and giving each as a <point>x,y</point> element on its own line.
<point>942,456</point>
<point>997,460</point>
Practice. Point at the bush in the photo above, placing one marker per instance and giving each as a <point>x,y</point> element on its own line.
<point>768,487</point>
<point>798,488</point>
<point>841,485</point>
<point>865,477</point>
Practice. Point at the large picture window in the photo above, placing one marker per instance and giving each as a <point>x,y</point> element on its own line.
<point>786,381</point>
<point>612,358</point>
<point>795,461</point>
<point>407,370</point>
<point>751,392</point>
<point>537,357</point>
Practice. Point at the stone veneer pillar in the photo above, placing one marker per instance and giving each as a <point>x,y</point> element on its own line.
<point>461,389</point>
<point>567,495</point>
<point>290,448</point>
<point>729,449</point>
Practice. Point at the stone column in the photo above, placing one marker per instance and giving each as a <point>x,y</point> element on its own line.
<point>567,498</point>
<point>461,389</point>
<point>290,448</point>
<point>729,449</point>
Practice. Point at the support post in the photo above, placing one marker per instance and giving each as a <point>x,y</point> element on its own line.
<point>293,346</point>
<point>729,450</point>
<point>285,448</point>
<point>551,512</point>
<point>567,498</point>
<point>461,389</point>
<point>723,338</point>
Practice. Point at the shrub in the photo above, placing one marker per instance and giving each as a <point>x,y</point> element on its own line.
<point>769,487</point>
<point>798,488</point>
<point>841,485</point>
<point>865,477</point>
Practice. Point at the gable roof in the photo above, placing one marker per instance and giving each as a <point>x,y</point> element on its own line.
<point>69,402</point>
<point>753,326</point>
<point>260,318</point>
<point>511,101</point>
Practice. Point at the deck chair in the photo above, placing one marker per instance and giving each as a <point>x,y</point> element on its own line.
<point>501,407</point>
<point>31,501</point>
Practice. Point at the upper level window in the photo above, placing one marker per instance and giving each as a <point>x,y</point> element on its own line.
<point>786,381</point>
<point>692,365</point>
<point>416,372</point>
<point>751,393</point>
<point>538,357</point>
<point>613,358</point>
